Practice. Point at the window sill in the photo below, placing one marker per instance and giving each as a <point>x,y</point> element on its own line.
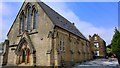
<point>33,32</point>
<point>30,33</point>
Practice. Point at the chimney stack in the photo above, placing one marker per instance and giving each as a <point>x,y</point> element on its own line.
<point>89,37</point>
<point>73,23</point>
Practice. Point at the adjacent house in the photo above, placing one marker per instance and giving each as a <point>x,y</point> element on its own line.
<point>98,46</point>
<point>40,36</point>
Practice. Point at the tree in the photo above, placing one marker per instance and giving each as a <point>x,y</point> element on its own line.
<point>108,49</point>
<point>116,44</point>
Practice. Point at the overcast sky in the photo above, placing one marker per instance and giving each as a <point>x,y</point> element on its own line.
<point>89,17</point>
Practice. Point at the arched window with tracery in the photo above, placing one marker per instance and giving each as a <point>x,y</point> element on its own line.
<point>22,23</point>
<point>29,10</point>
<point>28,18</point>
<point>34,19</point>
<point>34,12</point>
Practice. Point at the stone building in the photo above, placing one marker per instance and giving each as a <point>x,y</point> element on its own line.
<point>98,46</point>
<point>40,36</point>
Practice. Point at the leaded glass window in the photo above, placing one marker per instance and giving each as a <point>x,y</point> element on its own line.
<point>23,23</point>
<point>34,19</point>
<point>29,18</point>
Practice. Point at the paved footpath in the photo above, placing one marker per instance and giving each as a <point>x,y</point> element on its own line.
<point>99,63</point>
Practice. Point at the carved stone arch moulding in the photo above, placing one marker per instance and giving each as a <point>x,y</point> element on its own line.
<point>22,42</point>
<point>34,9</point>
<point>28,5</point>
<point>22,14</point>
<point>26,45</point>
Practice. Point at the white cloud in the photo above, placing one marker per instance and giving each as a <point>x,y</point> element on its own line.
<point>87,28</point>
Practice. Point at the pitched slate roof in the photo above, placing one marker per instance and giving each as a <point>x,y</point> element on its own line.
<point>60,21</point>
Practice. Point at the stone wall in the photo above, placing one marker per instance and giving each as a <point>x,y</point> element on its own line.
<point>101,43</point>
<point>76,49</point>
<point>46,41</point>
<point>39,38</point>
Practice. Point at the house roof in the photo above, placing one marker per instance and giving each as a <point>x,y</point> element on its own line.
<point>60,21</point>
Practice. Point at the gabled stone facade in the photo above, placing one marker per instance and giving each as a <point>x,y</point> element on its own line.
<point>98,46</point>
<point>40,36</point>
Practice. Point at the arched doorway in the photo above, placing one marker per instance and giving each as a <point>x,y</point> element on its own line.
<point>24,54</point>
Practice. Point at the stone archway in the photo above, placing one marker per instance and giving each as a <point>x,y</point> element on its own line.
<point>24,57</point>
<point>30,51</point>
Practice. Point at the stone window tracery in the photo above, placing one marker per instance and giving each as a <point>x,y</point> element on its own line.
<point>22,22</point>
<point>29,10</point>
<point>34,17</point>
<point>28,19</point>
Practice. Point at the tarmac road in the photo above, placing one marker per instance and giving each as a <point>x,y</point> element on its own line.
<point>99,63</point>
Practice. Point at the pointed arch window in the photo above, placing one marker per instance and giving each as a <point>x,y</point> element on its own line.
<point>34,19</point>
<point>20,28</point>
<point>29,9</point>
<point>28,19</point>
<point>22,23</point>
